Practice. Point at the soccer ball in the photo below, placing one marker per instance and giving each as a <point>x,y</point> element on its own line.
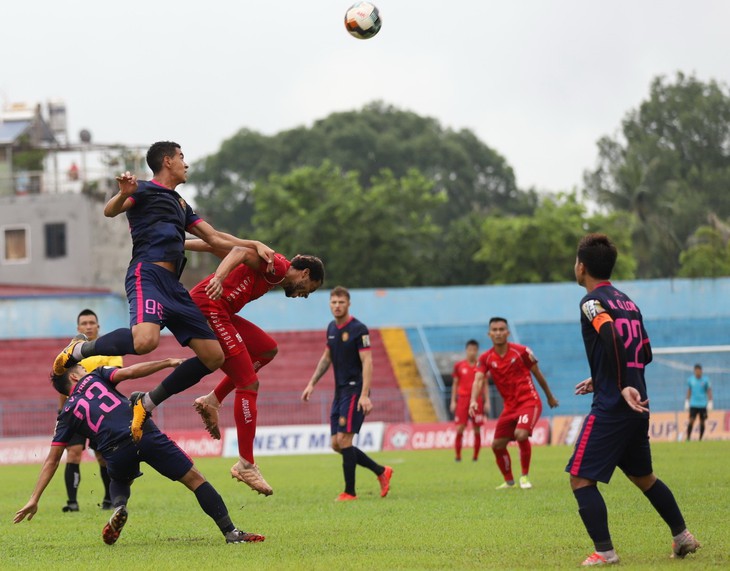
<point>362,20</point>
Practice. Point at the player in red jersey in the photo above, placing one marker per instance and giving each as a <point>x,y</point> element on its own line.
<point>511,366</point>
<point>241,277</point>
<point>463,379</point>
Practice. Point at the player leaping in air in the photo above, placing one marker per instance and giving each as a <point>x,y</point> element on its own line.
<point>241,277</point>
<point>158,219</point>
<point>96,409</point>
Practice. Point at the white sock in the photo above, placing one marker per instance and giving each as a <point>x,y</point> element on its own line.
<point>147,403</point>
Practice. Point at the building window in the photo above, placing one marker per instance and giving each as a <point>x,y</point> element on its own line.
<point>55,240</point>
<point>16,244</point>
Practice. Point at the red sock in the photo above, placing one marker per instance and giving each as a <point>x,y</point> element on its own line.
<point>525,456</point>
<point>504,463</point>
<point>245,415</point>
<point>458,444</point>
<point>477,444</point>
<point>259,362</point>
<point>224,388</point>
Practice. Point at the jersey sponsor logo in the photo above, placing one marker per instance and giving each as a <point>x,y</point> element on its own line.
<point>366,340</point>
<point>592,308</point>
<point>345,336</point>
<point>330,336</point>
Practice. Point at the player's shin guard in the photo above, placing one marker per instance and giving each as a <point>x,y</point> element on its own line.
<point>72,477</point>
<point>365,461</point>
<point>458,442</point>
<point>349,463</point>
<point>212,504</point>
<point>662,499</point>
<point>120,490</point>
<point>245,414</point>
<point>593,512</point>
<point>504,463</point>
<point>117,342</point>
<point>182,377</point>
<point>525,455</point>
<point>477,444</point>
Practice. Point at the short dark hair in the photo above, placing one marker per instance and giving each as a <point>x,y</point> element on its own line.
<point>598,254</point>
<point>62,383</point>
<point>158,151</point>
<point>86,312</point>
<point>495,319</point>
<point>472,342</point>
<point>339,291</point>
<point>311,263</point>
<point>698,366</point>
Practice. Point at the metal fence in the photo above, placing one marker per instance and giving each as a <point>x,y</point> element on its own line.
<point>37,417</point>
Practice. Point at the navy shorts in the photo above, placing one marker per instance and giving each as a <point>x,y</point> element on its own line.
<point>607,442</point>
<point>156,449</point>
<point>156,296</point>
<point>344,416</point>
<point>77,439</point>
<point>694,411</point>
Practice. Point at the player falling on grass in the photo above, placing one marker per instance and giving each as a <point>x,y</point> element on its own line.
<point>698,400</point>
<point>241,277</point>
<point>463,380</point>
<point>87,323</point>
<point>348,351</point>
<point>616,432</point>
<point>510,367</point>
<point>97,409</point>
<point>158,218</point>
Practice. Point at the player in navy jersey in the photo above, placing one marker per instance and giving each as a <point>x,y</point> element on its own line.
<point>158,219</point>
<point>96,409</point>
<point>616,432</point>
<point>348,351</point>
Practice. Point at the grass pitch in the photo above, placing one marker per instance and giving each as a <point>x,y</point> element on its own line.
<point>439,515</point>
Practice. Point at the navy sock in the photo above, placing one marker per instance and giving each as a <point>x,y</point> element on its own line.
<point>105,478</point>
<point>117,342</point>
<point>662,499</point>
<point>120,490</point>
<point>349,463</point>
<point>72,476</point>
<point>182,377</point>
<point>593,512</point>
<point>366,462</point>
<point>213,505</point>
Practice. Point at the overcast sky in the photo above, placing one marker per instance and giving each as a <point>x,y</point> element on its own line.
<point>538,80</point>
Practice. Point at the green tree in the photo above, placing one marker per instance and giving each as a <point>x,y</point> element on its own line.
<point>541,248</point>
<point>377,235</point>
<point>708,255</point>
<point>471,175</point>
<point>670,167</point>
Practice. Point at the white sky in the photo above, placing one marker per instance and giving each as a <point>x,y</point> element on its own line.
<point>538,80</point>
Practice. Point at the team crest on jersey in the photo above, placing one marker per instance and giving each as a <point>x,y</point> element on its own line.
<point>345,336</point>
<point>182,202</point>
<point>366,340</point>
<point>592,308</point>
<point>342,421</point>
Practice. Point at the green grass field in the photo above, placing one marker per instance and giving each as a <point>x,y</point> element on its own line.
<point>439,515</point>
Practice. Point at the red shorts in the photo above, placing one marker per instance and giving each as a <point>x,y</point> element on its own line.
<point>461,414</point>
<point>523,418</point>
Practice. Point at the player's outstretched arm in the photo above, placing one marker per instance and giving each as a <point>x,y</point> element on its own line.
<point>44,478</point>
<point>552,401</point>
<point>324,363</point>
<point>140,370</point>
<point>121,202</point>
<point>223,241</point>
<point>363,403</point>
<point>238,255</point>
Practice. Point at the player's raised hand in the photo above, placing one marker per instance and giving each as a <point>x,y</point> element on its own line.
<point>214,289</point>
<point>633,399</point>
<point>267,254</point>
<point>127,184</point>
<point>28,510</point>
<point>584,387</point>
<point>365,405</point>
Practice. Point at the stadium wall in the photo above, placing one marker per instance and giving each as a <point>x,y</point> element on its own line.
<point>25,317</point>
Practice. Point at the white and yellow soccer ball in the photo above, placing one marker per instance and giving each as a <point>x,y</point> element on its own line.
<point>362,20</point>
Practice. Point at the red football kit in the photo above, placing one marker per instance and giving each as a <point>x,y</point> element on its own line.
<point>463,374</point>
<point>512,376</point>
<point>244,344</point>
